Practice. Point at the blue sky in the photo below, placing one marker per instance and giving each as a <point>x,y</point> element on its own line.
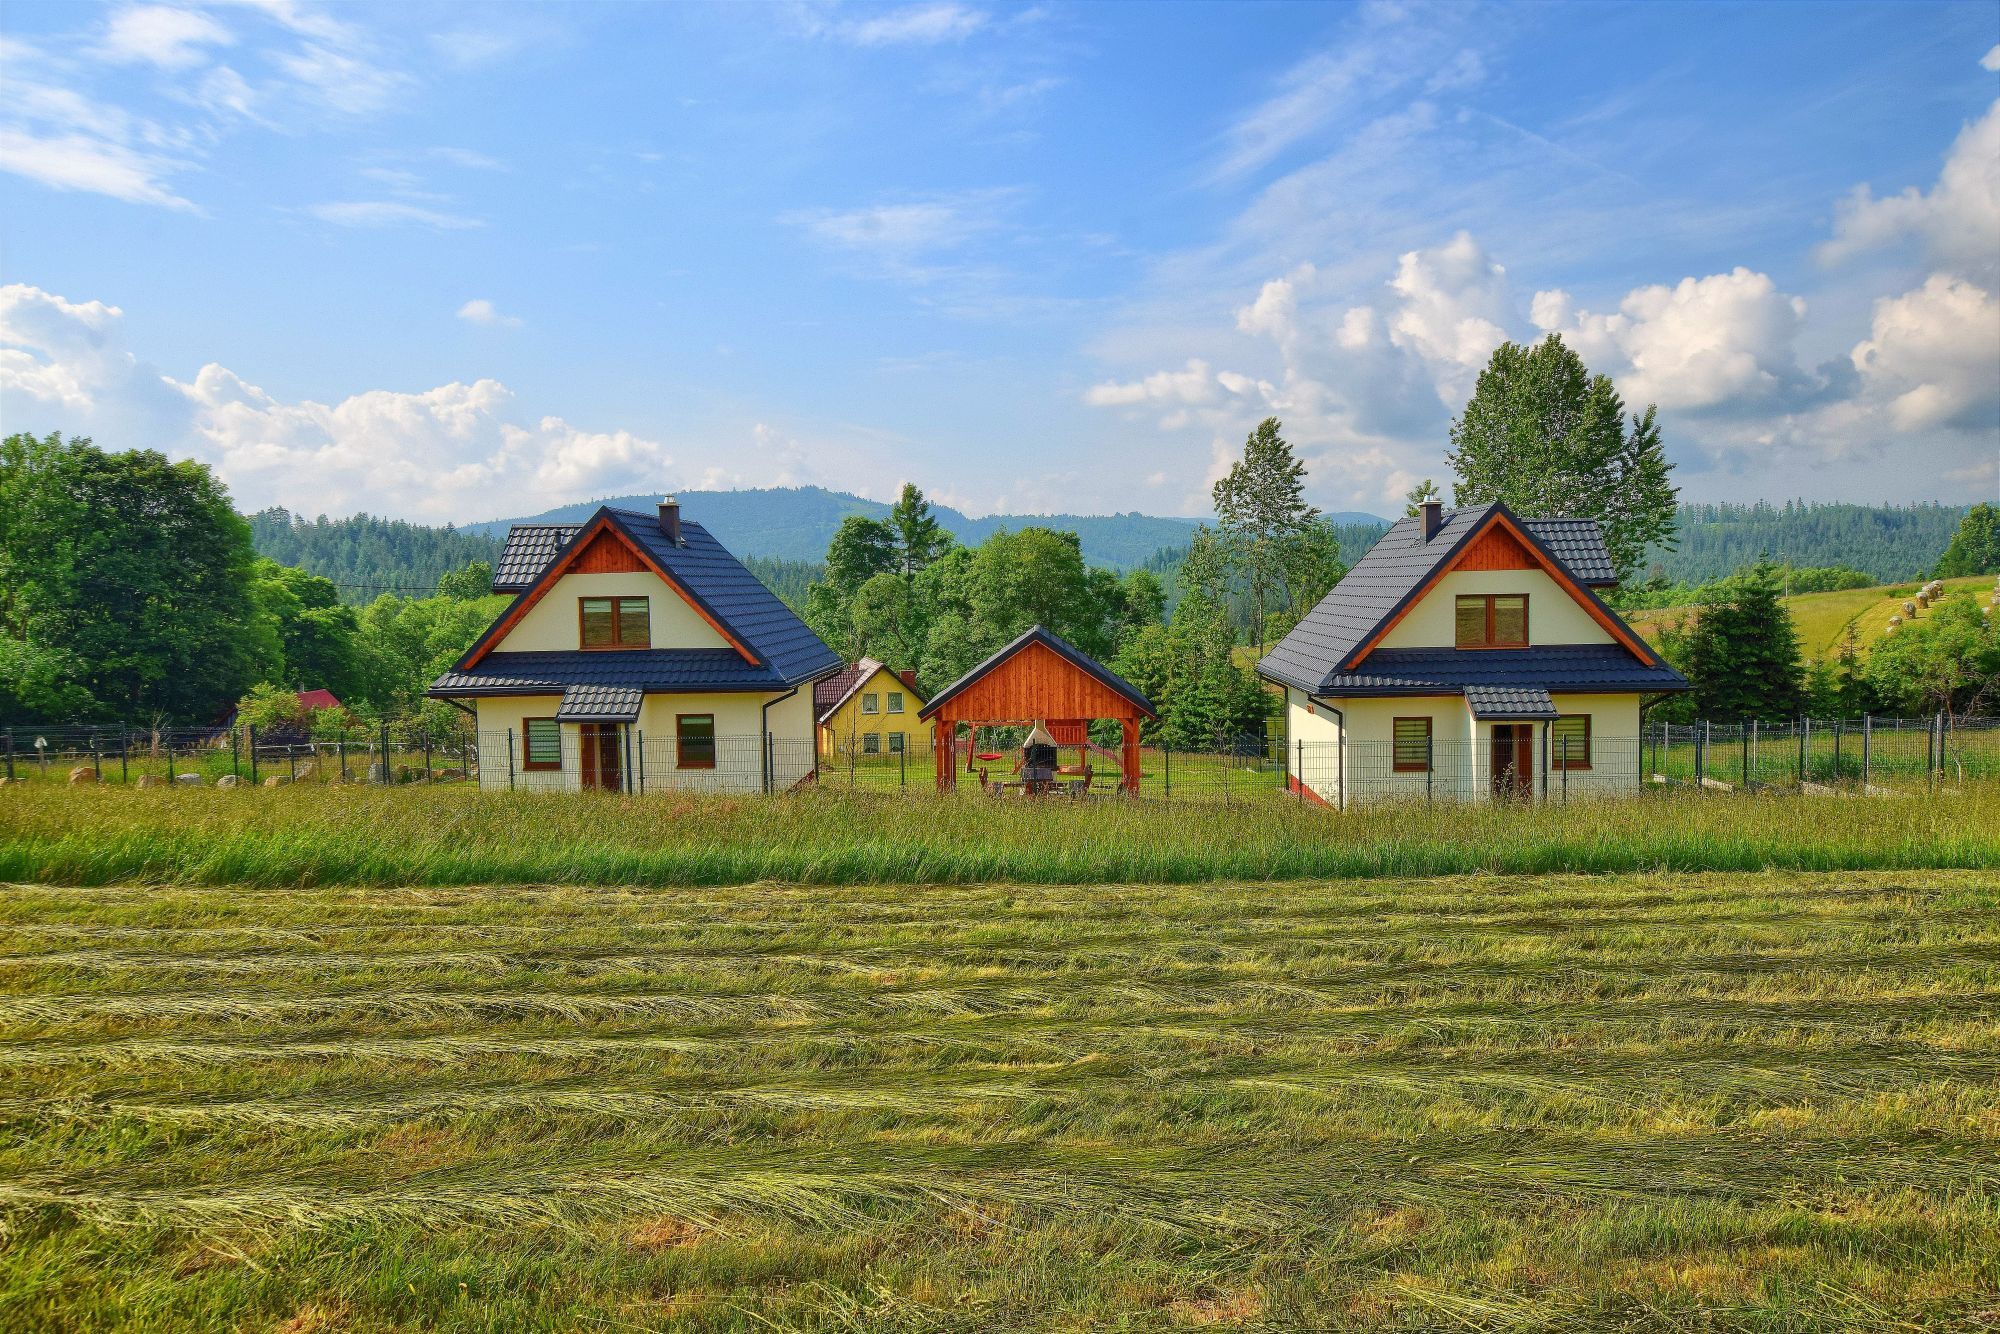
<point>459,262</point>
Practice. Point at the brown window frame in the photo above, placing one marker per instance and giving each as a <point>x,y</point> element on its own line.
<point>617,602</point>
<point>529,765</point>
<point>1492,620</point>
<point>1396,763</point>
<point>681,760</point>
<point>1555,751</point>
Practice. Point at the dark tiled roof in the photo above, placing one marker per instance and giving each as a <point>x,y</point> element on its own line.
<point>530,547</point>
<point>789,652</point>
<point>649,670</point>
<point>1579,545</point>
<point>829,691</point>
<point>1575,668</point>
<point>1384,581</point>
<point>1076,657</point>
<point>1509,702</point>
<point>600,704</point>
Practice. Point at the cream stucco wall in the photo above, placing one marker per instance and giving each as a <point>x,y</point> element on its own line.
<point>1316,762</point>
<point>551,624</point>
<point>1554,617</point>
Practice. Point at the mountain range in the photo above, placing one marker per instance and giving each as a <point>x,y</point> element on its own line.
<point>797,522</point>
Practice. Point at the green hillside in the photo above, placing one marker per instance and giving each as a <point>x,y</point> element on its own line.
<point>1890,542</point>
<point>367,556</point>
<point>1822,618</point>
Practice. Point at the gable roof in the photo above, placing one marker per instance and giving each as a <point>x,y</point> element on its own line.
<point>1063,649</point>
<point>647,670</point>
<point>1579,545</point>
<point>530,547</point>
<point>766,633</point>
<point>1396,572</point>
<point>834,691</point>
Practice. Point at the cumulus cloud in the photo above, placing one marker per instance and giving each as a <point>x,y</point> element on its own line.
<point>1955,219</point>
<point>1195,384</point>
<point>1722,340</point>
<point>1452,310</point>
<point>1933,353</point>
<point>442,454</point>
<point>481,311</point>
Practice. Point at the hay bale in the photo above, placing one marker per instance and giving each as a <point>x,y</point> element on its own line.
<point>1909,607</point>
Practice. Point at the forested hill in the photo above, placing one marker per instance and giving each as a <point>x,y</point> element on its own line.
<point>1890,542</point>
<point>367,556</point>
<point>795,523</point>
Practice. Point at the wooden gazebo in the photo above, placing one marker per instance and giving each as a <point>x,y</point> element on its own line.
<point>1038,678</point>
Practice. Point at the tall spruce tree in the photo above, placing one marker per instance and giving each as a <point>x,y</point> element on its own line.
<point>1550,440</point>
<point>920,538</point>
<point>1741,655</point>
<point>1262,507</point>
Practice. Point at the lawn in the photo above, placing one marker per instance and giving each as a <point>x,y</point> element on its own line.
<point>1766,1101</point>
<point>1822,618</point>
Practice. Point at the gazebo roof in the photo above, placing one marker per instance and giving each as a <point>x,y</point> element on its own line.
<point>1041,700</point>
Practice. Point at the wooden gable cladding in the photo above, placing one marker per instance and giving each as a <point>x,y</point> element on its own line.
<point>1497,549</point>
<point>607,553</point>
<point>1031,685</point>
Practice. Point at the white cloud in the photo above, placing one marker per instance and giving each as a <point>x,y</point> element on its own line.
<point>1452,311</point>
<point>481,311</point>
<point>915,25</point>
<point>388,213</point>
<point>1196,384</point>
<point>1723,340</point>
<point>1955,220</point>
<point>440,455</point>
<point>1990,62</point>
<point>905,227</point>
<point>90,164</point>
<point>1934,355</point>
<point>159,35</point>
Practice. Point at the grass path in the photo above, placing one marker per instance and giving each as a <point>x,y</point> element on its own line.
<point>1763,1101</point>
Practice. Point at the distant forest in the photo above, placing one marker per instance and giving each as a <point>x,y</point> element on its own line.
<point>366,556</point>
<point>1891,542</point>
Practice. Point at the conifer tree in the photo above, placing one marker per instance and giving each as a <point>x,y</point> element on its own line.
<point>1741,655</point>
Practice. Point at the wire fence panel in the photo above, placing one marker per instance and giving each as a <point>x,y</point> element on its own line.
<point>394,752</point>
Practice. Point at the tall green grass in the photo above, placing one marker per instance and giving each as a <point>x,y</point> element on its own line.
<point>1765,1101</point>
<point>417,836</point>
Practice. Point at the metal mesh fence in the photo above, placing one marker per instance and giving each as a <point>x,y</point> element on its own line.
<point>393,751</point>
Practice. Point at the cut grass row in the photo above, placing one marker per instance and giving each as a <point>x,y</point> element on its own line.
<point>1764,1101</point>
<point>422,836</point>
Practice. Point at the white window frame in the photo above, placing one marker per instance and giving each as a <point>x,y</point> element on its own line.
<point>871,743</point>
<point>871,702</point>
<point>896,743</point>
<point>895,701</point>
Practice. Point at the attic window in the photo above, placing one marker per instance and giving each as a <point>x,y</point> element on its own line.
<point>615,622</point>
<point>895,701</point>
<point>1493,620</point>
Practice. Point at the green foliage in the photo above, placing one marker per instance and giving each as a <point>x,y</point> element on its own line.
<point>1423,493</point>
<point>474,581</point>
<point>1657,592</point>
<point>1838,687</point>
<point>316,633</point>
<point>920,538</point>
<point>1550,440</point>
<point>42,684</point>
<point>365,556</point>
<point>1888,542</point>
<point>790,580</point>
<point>133,572</point>
<point>1975,547</point>
<point>1945,660</point>
<point>1741,655</point>
<point>1188,669</point>
<point>406,643</point>
<point>1277,545</point>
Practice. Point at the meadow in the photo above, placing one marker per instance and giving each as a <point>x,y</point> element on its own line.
<point>1822,618</point>
<point>1766,1101</point>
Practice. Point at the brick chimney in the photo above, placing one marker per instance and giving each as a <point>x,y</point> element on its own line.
<point>1433,518</point>
<point>670,519</point>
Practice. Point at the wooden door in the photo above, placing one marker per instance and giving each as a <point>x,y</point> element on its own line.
<point>600,757</point>
<point>1513,760</point>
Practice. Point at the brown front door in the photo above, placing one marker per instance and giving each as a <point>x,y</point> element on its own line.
<point>1513,759</point>
<point>600,756</point>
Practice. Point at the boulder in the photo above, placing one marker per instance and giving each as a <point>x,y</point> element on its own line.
<point>83,773</point>
<point>188,780</point>
<point>151,780</point>
<point>228,780</point>
<point>277,780</point>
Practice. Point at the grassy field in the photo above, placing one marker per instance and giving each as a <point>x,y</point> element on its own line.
<point>454,835</point>
<point>1822,618</point>
<point>1741,1102</point>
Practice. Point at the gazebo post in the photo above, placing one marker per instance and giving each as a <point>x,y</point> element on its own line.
<point>1129,727</point>
<point>947,771</point>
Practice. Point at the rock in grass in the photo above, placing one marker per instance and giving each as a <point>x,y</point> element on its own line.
<point>151,780</point>
<point>188,780</point>
<point>277,780</point>
<point>228,780</point>
<point>83,773</point>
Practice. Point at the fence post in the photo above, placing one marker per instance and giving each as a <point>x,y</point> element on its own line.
<point>292,759</point>
<point>1756,756</point>
<point>642,762</point>
<point>1941,734</point>
<point>124,755</point>
<point>1299,775</point>
<point>96,759</point>
<point>1867,750</point>
<point>1838,728</point>
<point>1805,738</point>
<point>510,759</point>
<point>235,751</point>
<point>903,765</point>
<point>170,759</point>
<point>385,753</point>
<point>1743,741</point>
<point>253,754</point>
<point>1430,767</point>
<point>770,764</point>
<point>10,754</point>
<point>1562,760</point>
<point>1167,763</point>
<point>342,746</point>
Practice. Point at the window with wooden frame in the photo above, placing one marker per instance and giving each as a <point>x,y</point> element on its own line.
<point>871,702</point>
<point>1492,620</point>
<point>694,740</point>
<point>614,622</point>
<point>1569,742</point>
<point>541,743</point>
<point>1412,745</point>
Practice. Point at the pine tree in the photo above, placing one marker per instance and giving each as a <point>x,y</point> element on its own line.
<point>920,538</point>
<point>1741,655</point>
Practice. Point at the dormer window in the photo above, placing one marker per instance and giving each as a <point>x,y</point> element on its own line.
<point>615,622</point>
<point>1493,620</point>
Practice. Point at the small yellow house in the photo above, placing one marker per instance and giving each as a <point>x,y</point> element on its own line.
<point>1467,656</point>
<point>638,655</point>
<point>866,710</point>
